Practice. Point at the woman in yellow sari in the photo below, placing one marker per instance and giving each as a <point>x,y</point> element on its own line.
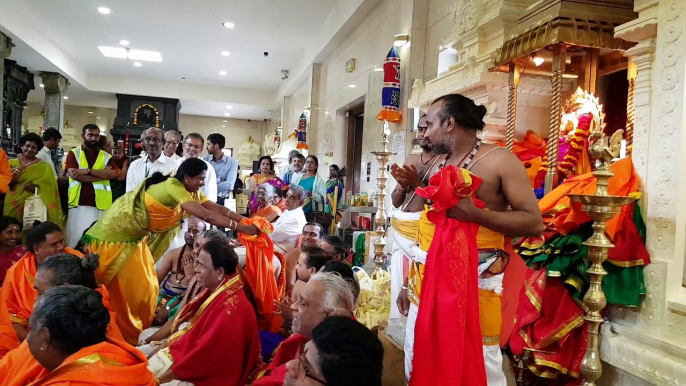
<point>270,204</point>
<point>28,174</point>
<point>136,230</point>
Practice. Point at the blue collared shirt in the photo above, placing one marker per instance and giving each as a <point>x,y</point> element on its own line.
<point>227,171</point>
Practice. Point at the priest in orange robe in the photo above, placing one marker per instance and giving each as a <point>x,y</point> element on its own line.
<point>18,294</point>
<point>75,350</point>
<point>18,367</point>
<point>216,338</point>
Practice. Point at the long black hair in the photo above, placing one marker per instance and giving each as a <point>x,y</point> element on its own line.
<point>192,167</point>
<point>316,162</point>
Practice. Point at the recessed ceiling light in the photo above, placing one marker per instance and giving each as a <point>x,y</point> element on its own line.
<point>229,106</point>
<point>222,73</point>
<point>124,42</point>
<point>227,114</point>
<point>352,86</point>
<point>226,53</point>
<point>41,85</point>
<point>225,121</point>
<point>223,126</point>
<point>90,112</point>
<point>137,64</point>
<point>228,24</point>
<point>98,118</point>
<point>104,10</point>
<point>65,97</point>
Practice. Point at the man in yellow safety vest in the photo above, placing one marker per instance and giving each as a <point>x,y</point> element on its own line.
<point>90,170</point>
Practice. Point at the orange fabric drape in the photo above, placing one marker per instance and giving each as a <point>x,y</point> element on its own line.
<point>112,363</point>
<point>5,172</point>
<point>557,208</point>
<point>259,273</point>
<point>269,210</point>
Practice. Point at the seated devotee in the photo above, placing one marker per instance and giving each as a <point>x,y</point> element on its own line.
<point>18,294</point>
<point>216,339</point>
<point>174,274</point>
<point>324,295</point>
<point>335,247</point>
<point>312,234</point>
<point>310,261</point>
<point>346,273</point>
<point>266,175</point>
<point>136,230</point>
<point>69,339</point>
<point>11,249</point>
<point>288,226</point>
<point>270,205</point>
<point>18,367</point>
<point>342,352</point>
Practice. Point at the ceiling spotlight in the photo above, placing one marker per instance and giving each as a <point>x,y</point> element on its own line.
<point>285,74</point>
<point>124,42</point>
<point>538,60</point>
<point>401,40</point>
<point>98,118</point>
<point>137,64</point>
<point>229,106</point>
<point>229,25</point>
<point>222,73</point>
<point>41,85</point>
<point>65,97</point>
<point>227,114</point>
<point>226,53</point>
<point>225,121</point>
<point>104,10</point>
<point>352,86</point>
<point>223,126</point>
<point>90,112</point>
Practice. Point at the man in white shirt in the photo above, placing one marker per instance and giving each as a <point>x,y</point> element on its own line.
<point>172,139</point>
<point>152,162</point>
<point>290,224</point>
<point>193,146</point>
<point>51,141</point>
<point>289,168</point>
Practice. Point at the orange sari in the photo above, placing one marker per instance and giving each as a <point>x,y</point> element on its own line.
<point>259,273</point>
<point>17,296</point>
<point>271,210</point>
<point>112,363</point>
<point>5,172</point>
<point>20,368</point>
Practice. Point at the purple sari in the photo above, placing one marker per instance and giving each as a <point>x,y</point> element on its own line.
<point>275,181</point>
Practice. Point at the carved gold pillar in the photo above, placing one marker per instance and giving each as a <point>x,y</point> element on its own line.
<point>559,57</point>
<point>630,107</point>
<point>512,106</point>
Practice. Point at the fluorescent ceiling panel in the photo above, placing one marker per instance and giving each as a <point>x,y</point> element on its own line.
<point>113,52</point>
<point>148,56</point>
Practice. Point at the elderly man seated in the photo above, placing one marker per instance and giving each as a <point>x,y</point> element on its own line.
<point>324,295</point>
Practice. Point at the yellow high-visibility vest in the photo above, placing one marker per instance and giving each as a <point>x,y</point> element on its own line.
<point>103,192</point>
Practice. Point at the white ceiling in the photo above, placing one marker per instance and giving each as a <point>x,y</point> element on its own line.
<point>64,35</point>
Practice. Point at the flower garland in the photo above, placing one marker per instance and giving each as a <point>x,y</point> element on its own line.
<point>571,158</point>
<point>157,114</point>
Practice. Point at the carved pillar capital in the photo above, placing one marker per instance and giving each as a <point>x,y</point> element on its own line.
<point>5,46</point>
<point>55,85</point>
<point>54,82</point>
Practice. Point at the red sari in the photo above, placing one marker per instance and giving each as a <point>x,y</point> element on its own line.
<point>275,373</point>
<point>221,344</point>
<point>448,342</point>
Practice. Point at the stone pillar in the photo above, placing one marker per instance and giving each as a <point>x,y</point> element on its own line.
<point>55,86</point>
<point>313,128</point>
<point>5,51</point>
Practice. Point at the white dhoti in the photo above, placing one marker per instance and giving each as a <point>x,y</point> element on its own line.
<point>79,220</point>
<point>400,257</point>
<point>409,339</point>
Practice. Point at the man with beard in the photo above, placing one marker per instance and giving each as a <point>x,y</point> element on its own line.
<point>152,162</point>
<point>413,174</point>
<point>175,274</point>
<point>510,208</point>
<point>90,171</point>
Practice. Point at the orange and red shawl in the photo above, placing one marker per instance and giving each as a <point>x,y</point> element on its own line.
<point>448,343</point>
<point>259,273</point>
<point>18,296</point>
<point>113,362</point>
<point>19,367</point>
<point>221,347</point>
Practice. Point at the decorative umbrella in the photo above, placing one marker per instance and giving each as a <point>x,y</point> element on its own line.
<point>302,133</point>
<point>390,96</point>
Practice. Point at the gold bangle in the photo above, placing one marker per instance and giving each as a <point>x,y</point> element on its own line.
<point>401,191</point>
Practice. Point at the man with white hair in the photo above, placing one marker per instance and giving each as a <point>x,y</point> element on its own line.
<point>172,139</point>
<point>289,225</point>
<point>152,162</point>
<point>325,294</point>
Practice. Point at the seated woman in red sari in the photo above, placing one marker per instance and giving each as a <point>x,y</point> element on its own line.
<point>215,339</point>
<point>270,204</point>
<point>69,338</point>
<point>11,249</point>
<point>18,367</point>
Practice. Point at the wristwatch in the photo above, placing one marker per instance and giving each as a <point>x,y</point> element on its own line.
<point>89,172</point>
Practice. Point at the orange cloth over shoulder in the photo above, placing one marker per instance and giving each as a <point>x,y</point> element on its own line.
<point>259,273</point>
<point>113,363</point>
<point>5,172</point>
<point>558,210</point>
<point>19,368</point>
